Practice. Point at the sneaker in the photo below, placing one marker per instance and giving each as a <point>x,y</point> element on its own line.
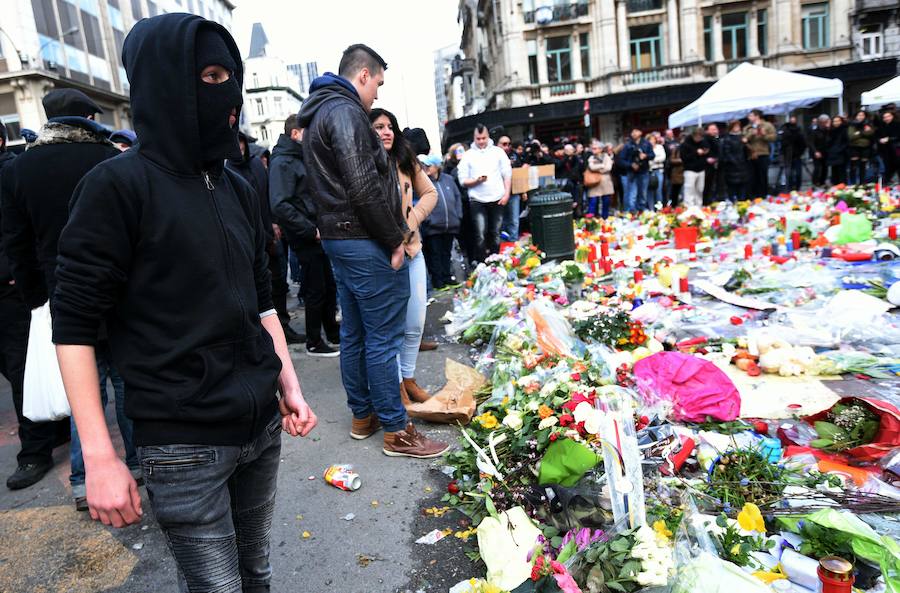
<point>504,236</point>
<point>81,504</point>
<point>27,475</point>
<point>364,428</point>
<point>322,350</point>
<point>412,443</point>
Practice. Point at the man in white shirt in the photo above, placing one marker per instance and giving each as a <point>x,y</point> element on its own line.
<point>485,170</point>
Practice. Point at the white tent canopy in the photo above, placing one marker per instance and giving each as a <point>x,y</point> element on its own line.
<point>889,92</point>
<point>750,87</point>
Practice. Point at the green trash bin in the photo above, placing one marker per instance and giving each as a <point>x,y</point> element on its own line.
<point>552,228</point>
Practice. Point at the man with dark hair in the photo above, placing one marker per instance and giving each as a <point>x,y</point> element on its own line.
<point>168,247</point>
<point>758,136</point>
<point>294,209</point>
<point>37,439</point>
<point>486,171</point>
<point>714,176</point>
<point>358,57</point>
<point>636,155</point>
<point>35,209</point>
<point>363,231</point>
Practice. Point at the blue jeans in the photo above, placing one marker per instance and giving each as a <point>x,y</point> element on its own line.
<point>415,316</point>
<point>106,370</point>
<point>214,504</point>
<point>636,192</point>
<point>373,298</point>
<point>657,197</point>
<point>511,217</point>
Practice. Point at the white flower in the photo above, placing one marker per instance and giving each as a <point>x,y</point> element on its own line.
<point>513,420</point>
<point>591,416</point>
<point>548,422</point>
<point>533,405</point>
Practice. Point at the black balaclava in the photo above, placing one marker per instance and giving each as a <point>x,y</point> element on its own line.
<point>218,140</point>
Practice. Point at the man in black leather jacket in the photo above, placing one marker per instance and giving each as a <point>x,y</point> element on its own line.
<point>294,209</point>
<point>363,231</point>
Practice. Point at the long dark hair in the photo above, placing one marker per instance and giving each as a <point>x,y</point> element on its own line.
<point>401,151</point>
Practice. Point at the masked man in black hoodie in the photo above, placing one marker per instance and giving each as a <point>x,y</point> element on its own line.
<point>364,232</point>
<point>168,247</point>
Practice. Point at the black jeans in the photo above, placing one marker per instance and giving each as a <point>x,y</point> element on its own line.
<point>320,297</point>
<point>437,250</point>
<point>487,218</point>
<point>214,504</point>
<point>37,438</point>
<point>838,174</point>
<point>759,177</point>
<point>674,193</point>
<point>278,269</point>
<point>820,172</point>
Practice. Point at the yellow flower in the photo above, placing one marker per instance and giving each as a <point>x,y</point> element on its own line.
<point>662,529</point>
<point>533,262</point>
<point>544,411</point>
<point>487,420</point>
<point>751,519</point>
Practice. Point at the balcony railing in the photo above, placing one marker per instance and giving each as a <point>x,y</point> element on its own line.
<point>865,5</point>
<point>561,12</point>
<point>644,5</point>
<point>565,88</point>
<point>659,74</point>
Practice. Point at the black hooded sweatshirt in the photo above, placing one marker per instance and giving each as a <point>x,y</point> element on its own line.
<point>172,254</point>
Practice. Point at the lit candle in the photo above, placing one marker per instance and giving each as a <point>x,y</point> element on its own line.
<point>892,231</point>
<point>748,251</point>
<point>604,249</point>
<point>607,266</point>
<point>795,239</point>
<point>683,284</point>
<point>638,275</point>
<point>592,253</point>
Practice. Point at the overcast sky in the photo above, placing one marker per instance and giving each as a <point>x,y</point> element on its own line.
<point>404,32</point>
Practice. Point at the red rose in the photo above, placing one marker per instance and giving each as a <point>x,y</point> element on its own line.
<point>453,487</point>
<point>553,437</point>
<point>566,420</point>
<point>576,376</point>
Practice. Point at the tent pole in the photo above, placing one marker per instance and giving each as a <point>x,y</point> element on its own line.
<point>841,105</point>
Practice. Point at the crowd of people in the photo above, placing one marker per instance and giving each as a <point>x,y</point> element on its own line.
<point>730,161</point>
<point>163,256</point>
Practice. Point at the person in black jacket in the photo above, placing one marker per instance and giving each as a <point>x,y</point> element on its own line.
<point>363,231</point>
<point>694,153</point>
<point>35,209</point>
<point>714,180</point>
<point>836,156</point>
<point>37,439</point>
<point>250,166</point>
<point>295,210</point>
<point>793,145</point>
<point>817,143</point>
<point>441,225</point>
<point>169,248</point>
<point>733,161</point>
<point>887,140</point>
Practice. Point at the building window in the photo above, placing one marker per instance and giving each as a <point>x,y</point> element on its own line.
<point>51,50</point>
<point>559,59</point>
<point>45,17</point>
<point>815,26</point>
<point>137,11</point>
<point>762,31</point>
<point>734,35</point>
<point>90,6</point>
<point>9,116</point>
<point>644,5</point>
<point>71,26</point>
<point>531,45</point>
<point>260,110</point>
<point>278,111</point>
<point>91,27</point>
<point>708,48</point>
<point>585,55</point>
<point>115,18</point>
<point>871,42</point>
<point>263,133</point>
<point>152,10</point>
<point>646,47</point>
<point>255,80</point>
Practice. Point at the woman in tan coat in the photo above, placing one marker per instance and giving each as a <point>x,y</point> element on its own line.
<point>600,162</point>
<point>418,198</point>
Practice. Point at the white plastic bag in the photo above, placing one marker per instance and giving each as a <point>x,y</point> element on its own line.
<point>44,393</point>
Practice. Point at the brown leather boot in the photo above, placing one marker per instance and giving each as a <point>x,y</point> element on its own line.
<point>411,443</point>
<point>363,429</point>
<point>426,346</point>
<point>414,392</point>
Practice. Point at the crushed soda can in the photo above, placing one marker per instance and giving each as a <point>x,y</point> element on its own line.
<point>342,476</point>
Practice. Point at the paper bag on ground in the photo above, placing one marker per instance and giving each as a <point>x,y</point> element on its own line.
<point>456,401</point>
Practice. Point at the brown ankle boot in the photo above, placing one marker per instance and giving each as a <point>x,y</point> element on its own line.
<point>411,443</point>
<point>363,429</point>
<point>426,346</point>
<point>414,392</point>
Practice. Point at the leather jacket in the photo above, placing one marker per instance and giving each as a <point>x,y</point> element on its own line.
<point>356,189</point>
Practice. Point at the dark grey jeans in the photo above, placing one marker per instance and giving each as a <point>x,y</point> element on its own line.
<point>214,504</point>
